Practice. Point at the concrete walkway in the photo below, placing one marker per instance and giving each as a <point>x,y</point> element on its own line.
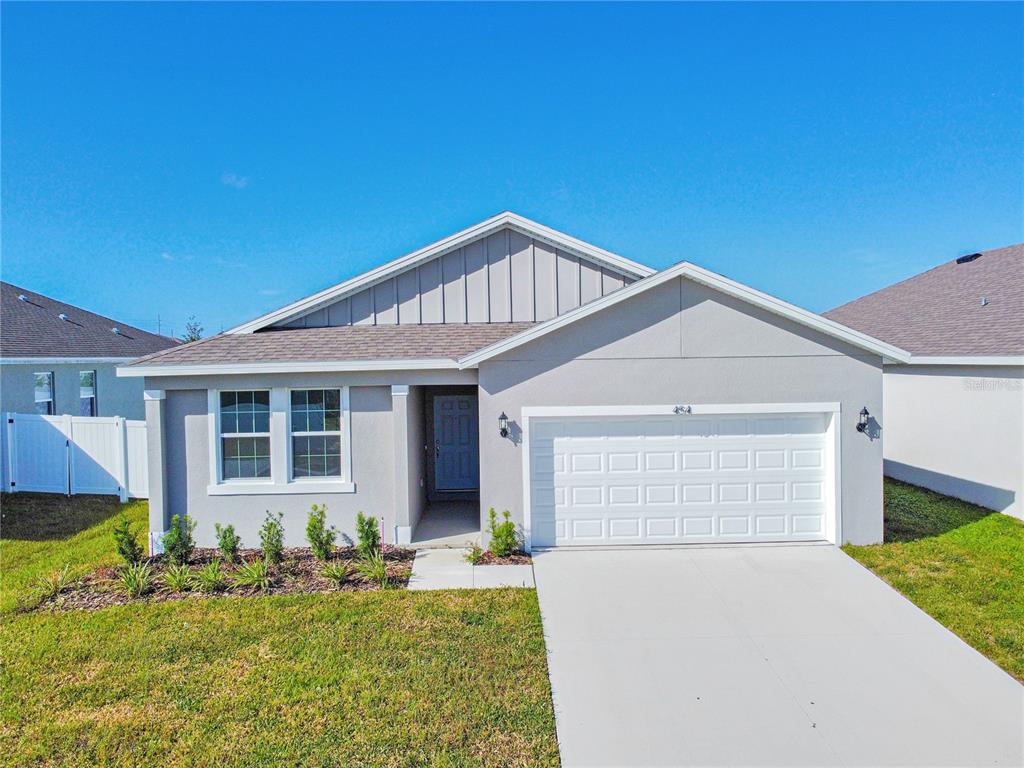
<point>448,569</point>
<point>446,524</point>
<point>761,656</point>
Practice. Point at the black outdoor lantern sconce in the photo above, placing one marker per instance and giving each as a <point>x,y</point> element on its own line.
<point>503,425</point>
<point>862,420</point>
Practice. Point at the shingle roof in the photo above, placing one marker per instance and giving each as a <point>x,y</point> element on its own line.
<point>338,343</point>
<point>33,328</point>
<point>940,312</point>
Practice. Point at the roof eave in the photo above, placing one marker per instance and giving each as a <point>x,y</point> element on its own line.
<point>971,360</point>
<point>63,360</point>
<point>288,366</point>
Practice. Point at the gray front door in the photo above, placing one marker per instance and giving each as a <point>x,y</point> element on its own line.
<point>456,443</point>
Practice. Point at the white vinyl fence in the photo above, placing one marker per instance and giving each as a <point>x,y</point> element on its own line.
<point>77,454</point>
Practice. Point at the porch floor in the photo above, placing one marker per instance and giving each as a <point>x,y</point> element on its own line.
<point>448,524</point>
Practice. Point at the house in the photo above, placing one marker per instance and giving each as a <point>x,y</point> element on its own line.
<point>56,358</point>
<point>955,410</point>
<point>513,366</point>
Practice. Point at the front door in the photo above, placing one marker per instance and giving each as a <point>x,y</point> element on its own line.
<point>456,443</point>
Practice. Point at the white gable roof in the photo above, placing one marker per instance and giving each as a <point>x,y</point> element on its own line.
<point>711,279</point>
<point>484,228</point>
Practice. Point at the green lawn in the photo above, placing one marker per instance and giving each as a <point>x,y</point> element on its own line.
<point>41,533</point>
<point>389,678</point>
<point>962,564</point>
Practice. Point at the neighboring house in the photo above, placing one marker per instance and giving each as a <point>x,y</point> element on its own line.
<point>58,359</point>
<point>515,367</point>
<point>955,412</point>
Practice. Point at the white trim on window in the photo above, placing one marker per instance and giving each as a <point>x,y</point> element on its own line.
<point>280,481</point>
<point>51,401</point>
<point>94,401</point>
<point>324,433</point>
<point>218,437</point>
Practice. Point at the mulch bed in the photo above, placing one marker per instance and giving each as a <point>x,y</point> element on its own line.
<point>516,558</point>
<point>298,573</point>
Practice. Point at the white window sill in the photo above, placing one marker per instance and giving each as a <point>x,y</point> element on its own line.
<point>271,489</point>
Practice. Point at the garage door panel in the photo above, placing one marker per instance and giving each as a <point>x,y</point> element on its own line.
<point>655,480</point>
<point>660,494</point>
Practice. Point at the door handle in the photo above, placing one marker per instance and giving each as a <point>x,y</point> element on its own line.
<point>437,448</point>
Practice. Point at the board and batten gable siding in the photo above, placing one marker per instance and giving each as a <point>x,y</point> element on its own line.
<point>505,277</point>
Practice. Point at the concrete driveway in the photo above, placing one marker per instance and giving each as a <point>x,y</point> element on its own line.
<point>757,656</point>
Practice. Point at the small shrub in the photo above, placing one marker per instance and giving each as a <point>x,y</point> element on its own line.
<point>126,541</point>
<point>368,534</point>
<point>337,571</point>
<point>504,540</point>
<point>51,585</point>
<point>211,578</point>
<point>177,578</point>
<point>475,554</point>
<point>373,568</point>
<point>272,538</point>
<point>320,537</point>
<point>137,579</point>
<point>178,543</point>
<point>228,542</point>
<point>254,574</point>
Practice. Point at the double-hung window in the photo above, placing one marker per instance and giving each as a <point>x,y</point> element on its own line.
<point>87,393</point>
<point>316,433</point>
<point>44,393</point>
<point>245,434</point>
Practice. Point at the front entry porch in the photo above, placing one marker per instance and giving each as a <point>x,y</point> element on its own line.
<point>437,466</point>
<point>448,524</point>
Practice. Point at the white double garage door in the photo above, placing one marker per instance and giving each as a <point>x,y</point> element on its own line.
<point>687,478</point>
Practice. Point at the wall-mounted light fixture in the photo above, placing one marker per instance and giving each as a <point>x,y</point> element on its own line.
<point>862,420</point>
<point>503,425</point>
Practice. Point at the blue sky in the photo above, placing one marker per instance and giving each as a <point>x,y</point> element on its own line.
<point>223,160</point>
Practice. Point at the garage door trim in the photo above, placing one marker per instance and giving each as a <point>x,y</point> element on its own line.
<point>532,414</point>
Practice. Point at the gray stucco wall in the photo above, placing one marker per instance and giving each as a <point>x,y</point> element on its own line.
<point>685,343</point>
<point>958,430</point>
<point>188,471</point>
<point>114,396</point>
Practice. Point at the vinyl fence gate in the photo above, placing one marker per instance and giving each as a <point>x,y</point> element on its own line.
<point>77,454</point>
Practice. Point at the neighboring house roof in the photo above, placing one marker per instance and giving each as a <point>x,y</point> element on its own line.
<point>973,308</point>
<point>434,250</point>
<point>710,279</point>
<point>33,328</point>
<point>346,347</point>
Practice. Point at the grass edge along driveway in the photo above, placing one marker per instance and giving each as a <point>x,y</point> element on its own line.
<point>960,563</point>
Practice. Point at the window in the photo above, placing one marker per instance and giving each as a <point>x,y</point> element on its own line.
<point>316,432</point>
<point>279,441</point>
<point>87,393</point>
<point>245,434</point>
<point>44,393</point>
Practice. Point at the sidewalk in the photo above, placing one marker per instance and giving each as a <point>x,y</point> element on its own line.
<point>448,569</point>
